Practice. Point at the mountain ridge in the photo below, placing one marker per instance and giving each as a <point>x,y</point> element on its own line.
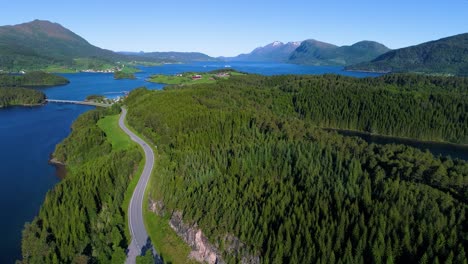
<point>171,55</point>
<point>313,52</point>
<point>40,44</point>
<point>447,55</point>
<point>276,51</point>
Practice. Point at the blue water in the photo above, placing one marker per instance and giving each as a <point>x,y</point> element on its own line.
<point>28,136</point>
<point>251,67</point>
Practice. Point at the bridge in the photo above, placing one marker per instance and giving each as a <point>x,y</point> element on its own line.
<point>78,102</point>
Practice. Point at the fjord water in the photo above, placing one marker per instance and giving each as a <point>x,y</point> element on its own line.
<point>29,135</point>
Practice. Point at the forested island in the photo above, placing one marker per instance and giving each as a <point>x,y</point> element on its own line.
<point>21,97</point>
<point>247,161</point>
<point>32,79</point>
<point>118,75</point>
<point>14,93</point>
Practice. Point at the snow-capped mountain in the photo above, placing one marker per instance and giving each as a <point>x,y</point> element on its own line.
<point>274,52</point>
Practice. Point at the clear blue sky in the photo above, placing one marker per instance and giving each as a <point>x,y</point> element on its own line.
<point>232,27</point>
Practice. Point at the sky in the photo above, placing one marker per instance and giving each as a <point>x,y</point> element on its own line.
<point>228,28</point>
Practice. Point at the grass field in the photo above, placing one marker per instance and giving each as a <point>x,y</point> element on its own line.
<point>118,138</point>
<point>186,78</point>
<point>121,141</point>
<point>59,69</point>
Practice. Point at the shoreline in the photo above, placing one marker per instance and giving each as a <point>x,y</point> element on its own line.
<point>60,167</point>
<point>23,105</point>
<point>368,71</point>
<point>54,161</point>
<point>446,143</point>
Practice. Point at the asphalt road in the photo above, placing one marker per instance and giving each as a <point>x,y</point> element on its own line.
<point>135,208</point>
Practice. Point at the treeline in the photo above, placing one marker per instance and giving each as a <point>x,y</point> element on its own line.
<point>423,83</point>
<point>81,220</point>
<point>118,75</point>
<point>244,158</point>
<point>20,96</point>
<point>420,107</point>
<point>32,79</point>
<point>444,56</point>
<point>12,93</point>
<point>344,103</point>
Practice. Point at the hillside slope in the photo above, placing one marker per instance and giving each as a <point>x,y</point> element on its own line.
<point>243,161</point>
<point>444,56</point>
<point>273,52</point>
<point>313,52</point>
<point>172,56</point>
<point>43,45</point>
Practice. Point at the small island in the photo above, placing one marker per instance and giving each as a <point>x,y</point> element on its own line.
<point>189,78</point>
<point>15,89</point>
<point>16,96</point>
<point>32,79</point>
<point>119,75</point>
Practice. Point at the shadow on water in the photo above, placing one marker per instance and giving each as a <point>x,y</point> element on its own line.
<point>450,150</point>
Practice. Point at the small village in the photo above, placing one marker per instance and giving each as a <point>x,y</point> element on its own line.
<point>189,78</point>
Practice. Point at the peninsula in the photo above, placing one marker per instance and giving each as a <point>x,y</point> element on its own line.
<point>190,78</point>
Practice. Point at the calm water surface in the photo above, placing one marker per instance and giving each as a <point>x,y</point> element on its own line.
<point>28,136</point>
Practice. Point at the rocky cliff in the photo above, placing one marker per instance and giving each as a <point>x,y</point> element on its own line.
<point>202,249</point>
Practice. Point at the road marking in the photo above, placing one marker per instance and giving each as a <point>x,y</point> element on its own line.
<point>138,193</point>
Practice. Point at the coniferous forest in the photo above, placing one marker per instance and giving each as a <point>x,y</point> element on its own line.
<point>248,158</point>
<point>20,96</point>
<point>32,79</point>
<point>82,219</point>
<point>12,92</point>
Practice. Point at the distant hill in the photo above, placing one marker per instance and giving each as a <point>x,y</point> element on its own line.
<point>313,52</point>
<point>444,56</point>
<point>273,52</point>
<point>38,44</point>
<point>172,56</point>
<point>41,44</point>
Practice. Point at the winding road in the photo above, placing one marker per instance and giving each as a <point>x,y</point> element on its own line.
<point>138,232</point>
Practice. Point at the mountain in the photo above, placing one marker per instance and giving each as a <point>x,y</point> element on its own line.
<point>273,52</point>
<point>445,56</point>
<point>39,43</point>
<point>172,56</point>
<point>313,52</point>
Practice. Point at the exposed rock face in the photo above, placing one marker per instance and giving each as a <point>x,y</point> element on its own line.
<point>157,207</point>
<point>202,250</point>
